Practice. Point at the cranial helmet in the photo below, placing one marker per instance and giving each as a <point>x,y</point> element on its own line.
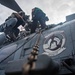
<point>21,13</point>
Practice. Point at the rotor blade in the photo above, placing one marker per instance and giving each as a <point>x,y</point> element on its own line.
<point>11,4</point>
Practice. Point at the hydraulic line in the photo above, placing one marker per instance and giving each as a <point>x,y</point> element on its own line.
<point>32,57</point>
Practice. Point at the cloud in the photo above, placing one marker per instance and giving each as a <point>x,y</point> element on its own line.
<point>4,13</point>
<point>56,10</point>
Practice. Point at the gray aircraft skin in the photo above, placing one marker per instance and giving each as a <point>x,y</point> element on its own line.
<point>56,52</point>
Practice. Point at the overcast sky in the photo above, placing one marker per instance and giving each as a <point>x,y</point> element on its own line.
<point>56,10</point>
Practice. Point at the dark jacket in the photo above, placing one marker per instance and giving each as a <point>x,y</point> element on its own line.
<point>37,14</point>
<point>20,20</point>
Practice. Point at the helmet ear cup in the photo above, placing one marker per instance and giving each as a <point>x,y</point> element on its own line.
<point>46,18</point>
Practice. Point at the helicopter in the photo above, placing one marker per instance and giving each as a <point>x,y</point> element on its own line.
<point>45,52</point>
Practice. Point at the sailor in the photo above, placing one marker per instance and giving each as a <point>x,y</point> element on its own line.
<point>20,21</point>
<point>39,17</point>
<point>13,22</point>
